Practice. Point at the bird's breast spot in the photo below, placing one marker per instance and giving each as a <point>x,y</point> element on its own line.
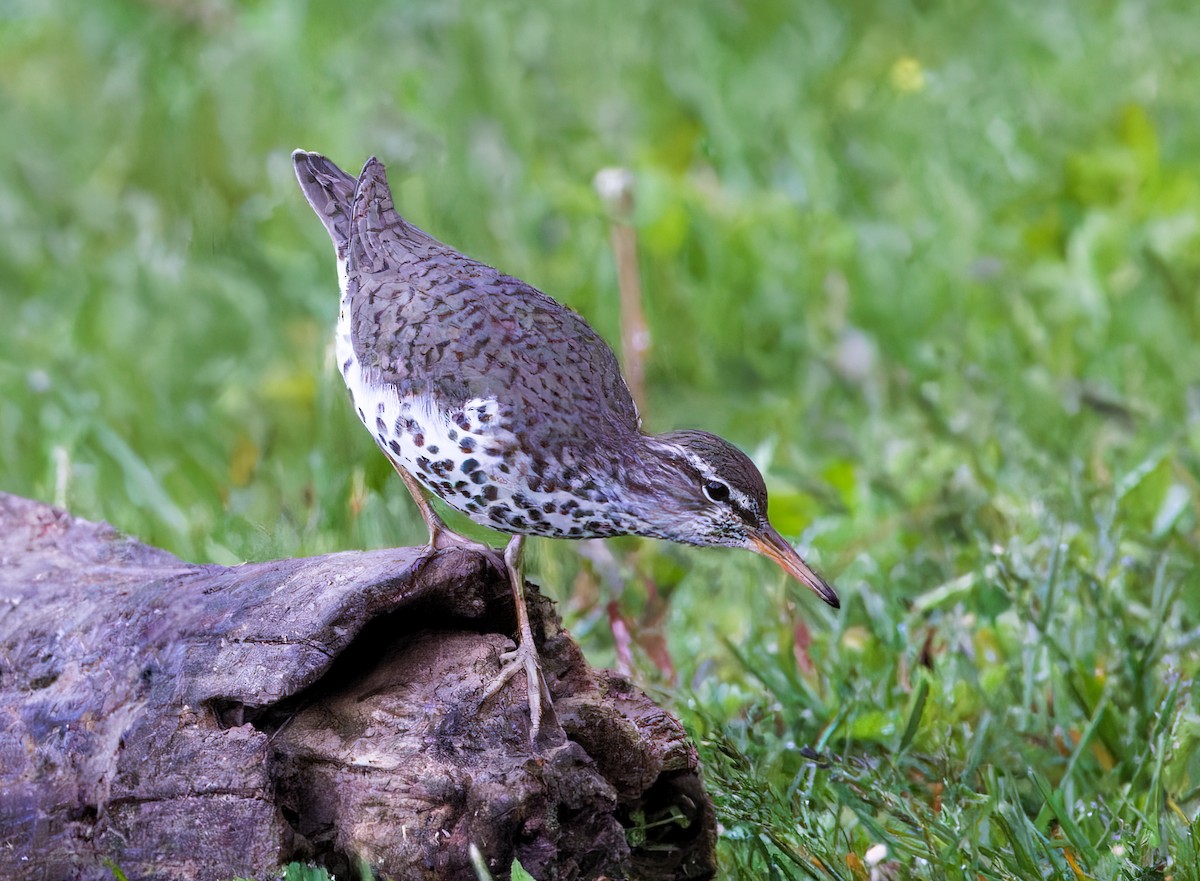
<point>462,456</point>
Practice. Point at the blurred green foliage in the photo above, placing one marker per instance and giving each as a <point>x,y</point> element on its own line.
<point>936,266</point>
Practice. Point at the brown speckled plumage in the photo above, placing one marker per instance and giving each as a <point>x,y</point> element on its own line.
<point>489,394</point>
<point>429,318</point>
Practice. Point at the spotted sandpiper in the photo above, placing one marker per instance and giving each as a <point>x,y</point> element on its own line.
<point>483,391</point>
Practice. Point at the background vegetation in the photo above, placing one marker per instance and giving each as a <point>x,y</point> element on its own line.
<point>935,265</point>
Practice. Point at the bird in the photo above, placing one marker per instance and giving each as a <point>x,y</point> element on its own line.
<point>488,394</point>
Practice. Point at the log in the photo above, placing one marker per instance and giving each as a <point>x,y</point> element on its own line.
<point>189,721</point>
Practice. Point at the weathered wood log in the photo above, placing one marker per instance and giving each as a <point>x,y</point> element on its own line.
<point>203,722</point>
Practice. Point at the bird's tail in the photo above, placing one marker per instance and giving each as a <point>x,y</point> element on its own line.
<point>330,192</point>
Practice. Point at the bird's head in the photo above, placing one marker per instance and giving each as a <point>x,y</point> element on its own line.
<point>710,493</point>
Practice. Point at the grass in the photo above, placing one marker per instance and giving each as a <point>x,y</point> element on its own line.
<point>935,266</point>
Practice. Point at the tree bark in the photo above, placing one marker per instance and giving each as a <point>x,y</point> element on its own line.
<point>201,722</point>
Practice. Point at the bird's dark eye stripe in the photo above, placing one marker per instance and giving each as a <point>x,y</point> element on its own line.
<point>744,513</point>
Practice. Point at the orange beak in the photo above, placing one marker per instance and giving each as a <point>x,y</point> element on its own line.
<point>771,544</point>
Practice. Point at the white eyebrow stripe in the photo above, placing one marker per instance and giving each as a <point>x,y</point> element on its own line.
<point>706,473</point>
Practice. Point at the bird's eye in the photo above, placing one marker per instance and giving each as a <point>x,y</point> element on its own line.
<point>716,491</point>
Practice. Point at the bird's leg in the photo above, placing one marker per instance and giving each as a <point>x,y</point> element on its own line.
<point>525,656</point>
<point>441,536</point>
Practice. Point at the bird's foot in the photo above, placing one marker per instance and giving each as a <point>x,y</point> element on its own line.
<point>443,538</point>
<point>524,658</point>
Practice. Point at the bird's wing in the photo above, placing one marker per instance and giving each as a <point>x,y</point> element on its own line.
<point>426,317</point>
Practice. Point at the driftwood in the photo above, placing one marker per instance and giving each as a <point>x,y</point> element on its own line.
<point>203,722</point>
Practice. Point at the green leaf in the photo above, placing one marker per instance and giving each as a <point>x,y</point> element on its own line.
<point>914,716</point>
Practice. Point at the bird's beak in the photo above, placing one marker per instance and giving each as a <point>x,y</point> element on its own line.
<point>771,544</point>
